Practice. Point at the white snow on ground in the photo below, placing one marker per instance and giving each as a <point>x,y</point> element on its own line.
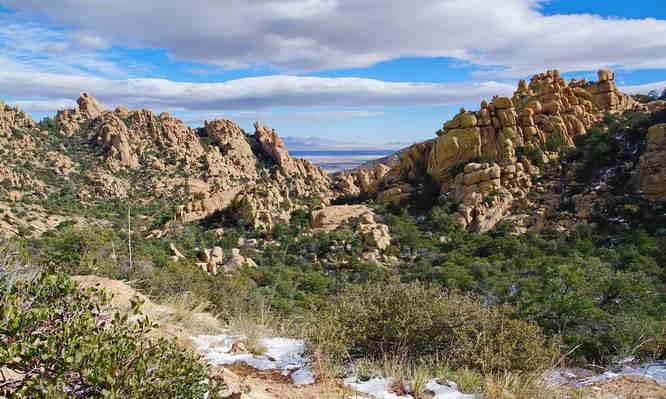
<point>656,371</point>
<point>378,389</point>
<point>283,354</point>
<point>446,392</point>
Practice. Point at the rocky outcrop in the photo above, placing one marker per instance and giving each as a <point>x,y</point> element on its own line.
<point>606,96</point>
<point>547,113</point>
<point>112,134</point>
<point>69,121</point>
<point>332,217</point>
<point>240,179</point>
<point>273,146</point>
<point>13,118</point>
<point>106,154</point>
<point>306,179</point>
<point>364,180</point>
<point>237,155</point>
<point>652,165</point>
<point>375,234</point>
<point>89,107</point>
<point>501,141</point>
<point>487,191</point>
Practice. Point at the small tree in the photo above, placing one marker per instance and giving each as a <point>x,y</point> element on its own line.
<point>57,342</point>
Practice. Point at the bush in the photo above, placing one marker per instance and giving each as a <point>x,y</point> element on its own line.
<point>378,319</point>
<point>58,343</point>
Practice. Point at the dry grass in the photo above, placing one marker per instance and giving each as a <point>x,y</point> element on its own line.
<point>510,385</point>
<point>191,312</point>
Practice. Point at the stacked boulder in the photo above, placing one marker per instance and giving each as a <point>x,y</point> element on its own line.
<point>375,234</point>
<point>652,164</point>
<point>606,96</point>
<point>69,120</point>
<point>501,141</point>
<point>486,192</point>
<point>362,180</point>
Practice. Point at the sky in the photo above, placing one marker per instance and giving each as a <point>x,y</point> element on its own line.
<point>380,73</point>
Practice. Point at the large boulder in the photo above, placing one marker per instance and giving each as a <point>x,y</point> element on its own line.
<point>89,106</point>
<point>375,234</point>
<point>453,147</point>
<point>111,133</point>
<point>652,165</point>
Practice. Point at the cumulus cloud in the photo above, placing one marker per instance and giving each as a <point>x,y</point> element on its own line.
<point>299,35</point>
<point>247,93</point>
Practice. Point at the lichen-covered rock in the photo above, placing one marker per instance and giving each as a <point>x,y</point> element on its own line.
<point>453,147</point>
<point>652,164</point>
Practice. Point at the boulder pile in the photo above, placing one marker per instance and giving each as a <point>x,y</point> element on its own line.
<point>484,158</point>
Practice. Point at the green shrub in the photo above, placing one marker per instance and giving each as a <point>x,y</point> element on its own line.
<point>58,341</point>
<point>378,319</point>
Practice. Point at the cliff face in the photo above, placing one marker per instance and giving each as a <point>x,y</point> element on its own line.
<point>652,165</point>
<point>105,155</point>
<point>483,159</point>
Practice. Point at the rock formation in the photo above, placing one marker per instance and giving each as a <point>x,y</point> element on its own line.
<point>126,152</point>
<point>375,234</point>
<point>652,164</point>
<point>13,118</point>
<point>503,141</point>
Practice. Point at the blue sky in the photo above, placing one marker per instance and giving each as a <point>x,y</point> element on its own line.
<point>378,72</point>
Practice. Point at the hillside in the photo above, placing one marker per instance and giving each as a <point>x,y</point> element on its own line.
<point>77,164</point>
<point>526,241</point>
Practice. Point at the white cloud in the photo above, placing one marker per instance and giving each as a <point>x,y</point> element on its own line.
<point>247,93</point>
<point>297,35</point>
<point>659,87</point>
<point>90,40</point>
<point>324,115</point>
<point>32,46</point>
<point>44,106</point>
<point>319,143</point>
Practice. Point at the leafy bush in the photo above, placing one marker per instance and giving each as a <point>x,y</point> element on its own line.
<point>603,295</point>
<point>377,319</point>
<point>58,342</point>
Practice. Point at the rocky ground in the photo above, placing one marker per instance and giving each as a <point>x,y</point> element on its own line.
<point>245,382</point>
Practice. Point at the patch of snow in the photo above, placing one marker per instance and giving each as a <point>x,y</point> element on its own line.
<point>449,391</point>
<point>656,371</point>
<point>283,354</point>
<point>303,376</point>
<point>377,388</point>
